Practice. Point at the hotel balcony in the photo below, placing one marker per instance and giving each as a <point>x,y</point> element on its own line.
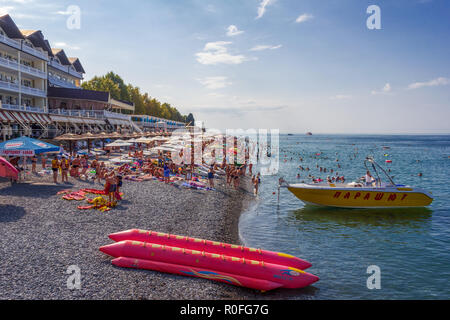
<point>34,91</point>
<point>13,65</point>
<point>9,64</point>
<point>16,107</point>
<point>9,86</point>
<point>35,52</point>
<point>23,89</point>
<point>33,71</point>
<point>60,83</point>
<point>65,69</point>
<point>10,42</point>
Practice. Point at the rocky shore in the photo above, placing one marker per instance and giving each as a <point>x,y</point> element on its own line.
<point>42,235</point>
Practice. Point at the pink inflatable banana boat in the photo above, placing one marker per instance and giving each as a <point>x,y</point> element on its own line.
<point>238,271</point>
<point>238,280</point>
<point>211,247</point>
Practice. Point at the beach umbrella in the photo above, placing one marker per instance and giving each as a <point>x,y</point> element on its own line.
<point>69,137</point>
<point>7,170</point>
<point>89,136</point>
<point>26,147</point>
<point>119,143</point>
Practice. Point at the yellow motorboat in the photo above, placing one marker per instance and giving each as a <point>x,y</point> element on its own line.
<point>376,194</point>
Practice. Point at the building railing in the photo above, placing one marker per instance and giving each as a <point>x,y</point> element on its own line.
<point>33,71</point>
<point>9,85</point>
<point>78,113</point>
<point>8,63</point>
<point>115,115</point>
<point>16,107</point>
<point>24,89</point>
<point>75,73</point>
<point>34,91</point>
<point>15,66</point>
<point>9,42</point>
<point>35,52</point>
<point>65,69</point>
<point>58,82</point>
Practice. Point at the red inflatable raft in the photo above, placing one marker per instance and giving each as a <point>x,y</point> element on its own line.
<point>211,247</point>
<point>258,273</point>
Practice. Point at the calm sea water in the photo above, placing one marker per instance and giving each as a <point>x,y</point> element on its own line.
<point>410,246</point>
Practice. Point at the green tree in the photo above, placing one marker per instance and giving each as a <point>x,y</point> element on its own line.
<point>143,102</point>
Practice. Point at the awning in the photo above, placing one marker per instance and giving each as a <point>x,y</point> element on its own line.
<point>33,117</point>
<point>5,116</point>
<point>58,119</point>
<point>20,116</point>
<point>44,118</point>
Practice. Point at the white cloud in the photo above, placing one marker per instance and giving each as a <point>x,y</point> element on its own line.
<point>232,31</point>
<point>262,7</point>
<point>386,89</point>
<point>341,97</point>
<point>215,82</point>
<point>304,17</point>
<point>65,45</point>
<point>265,47</point>
<point>432,83</point>
<point>217,52</point>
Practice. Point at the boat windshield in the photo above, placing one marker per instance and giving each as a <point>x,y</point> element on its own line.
<point>370,162</point>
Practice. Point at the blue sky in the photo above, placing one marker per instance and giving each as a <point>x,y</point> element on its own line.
<point>293,65</point>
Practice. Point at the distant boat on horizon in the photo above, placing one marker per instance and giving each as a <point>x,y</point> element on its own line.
<point>309,134</point>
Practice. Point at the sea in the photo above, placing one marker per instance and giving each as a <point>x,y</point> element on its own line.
<point>359,253</point>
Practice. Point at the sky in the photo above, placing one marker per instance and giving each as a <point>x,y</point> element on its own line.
<point>292,65</point>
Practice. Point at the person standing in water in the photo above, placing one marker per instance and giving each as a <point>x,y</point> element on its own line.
<point>256,183</point>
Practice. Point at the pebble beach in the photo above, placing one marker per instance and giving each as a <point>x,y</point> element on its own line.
<point>42,235</point>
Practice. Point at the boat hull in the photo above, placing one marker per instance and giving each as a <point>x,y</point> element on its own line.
<point>361,197</point>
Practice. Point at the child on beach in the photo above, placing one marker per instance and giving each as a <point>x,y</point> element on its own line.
<point>166,174</point>
<point>211,177</point>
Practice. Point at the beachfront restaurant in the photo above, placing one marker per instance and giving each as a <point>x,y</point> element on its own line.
<point>154,124</point>
<point>80,111</point>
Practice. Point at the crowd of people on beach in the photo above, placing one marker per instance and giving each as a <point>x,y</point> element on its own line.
<point>140,166</point>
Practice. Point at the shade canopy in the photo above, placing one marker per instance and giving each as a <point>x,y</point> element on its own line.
<point>7,170</point>
<point>25,147</point>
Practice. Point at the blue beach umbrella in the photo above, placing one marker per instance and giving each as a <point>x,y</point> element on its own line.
<point>26,147</point>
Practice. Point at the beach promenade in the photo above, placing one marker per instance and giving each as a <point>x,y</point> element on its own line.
<point>42,235</point>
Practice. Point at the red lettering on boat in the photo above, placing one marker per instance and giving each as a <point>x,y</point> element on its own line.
<point>392,197</point>
<point>379,196</point>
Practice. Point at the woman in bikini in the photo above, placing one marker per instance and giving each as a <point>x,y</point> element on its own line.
<point>34,160</point>
<point>64,170</point>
